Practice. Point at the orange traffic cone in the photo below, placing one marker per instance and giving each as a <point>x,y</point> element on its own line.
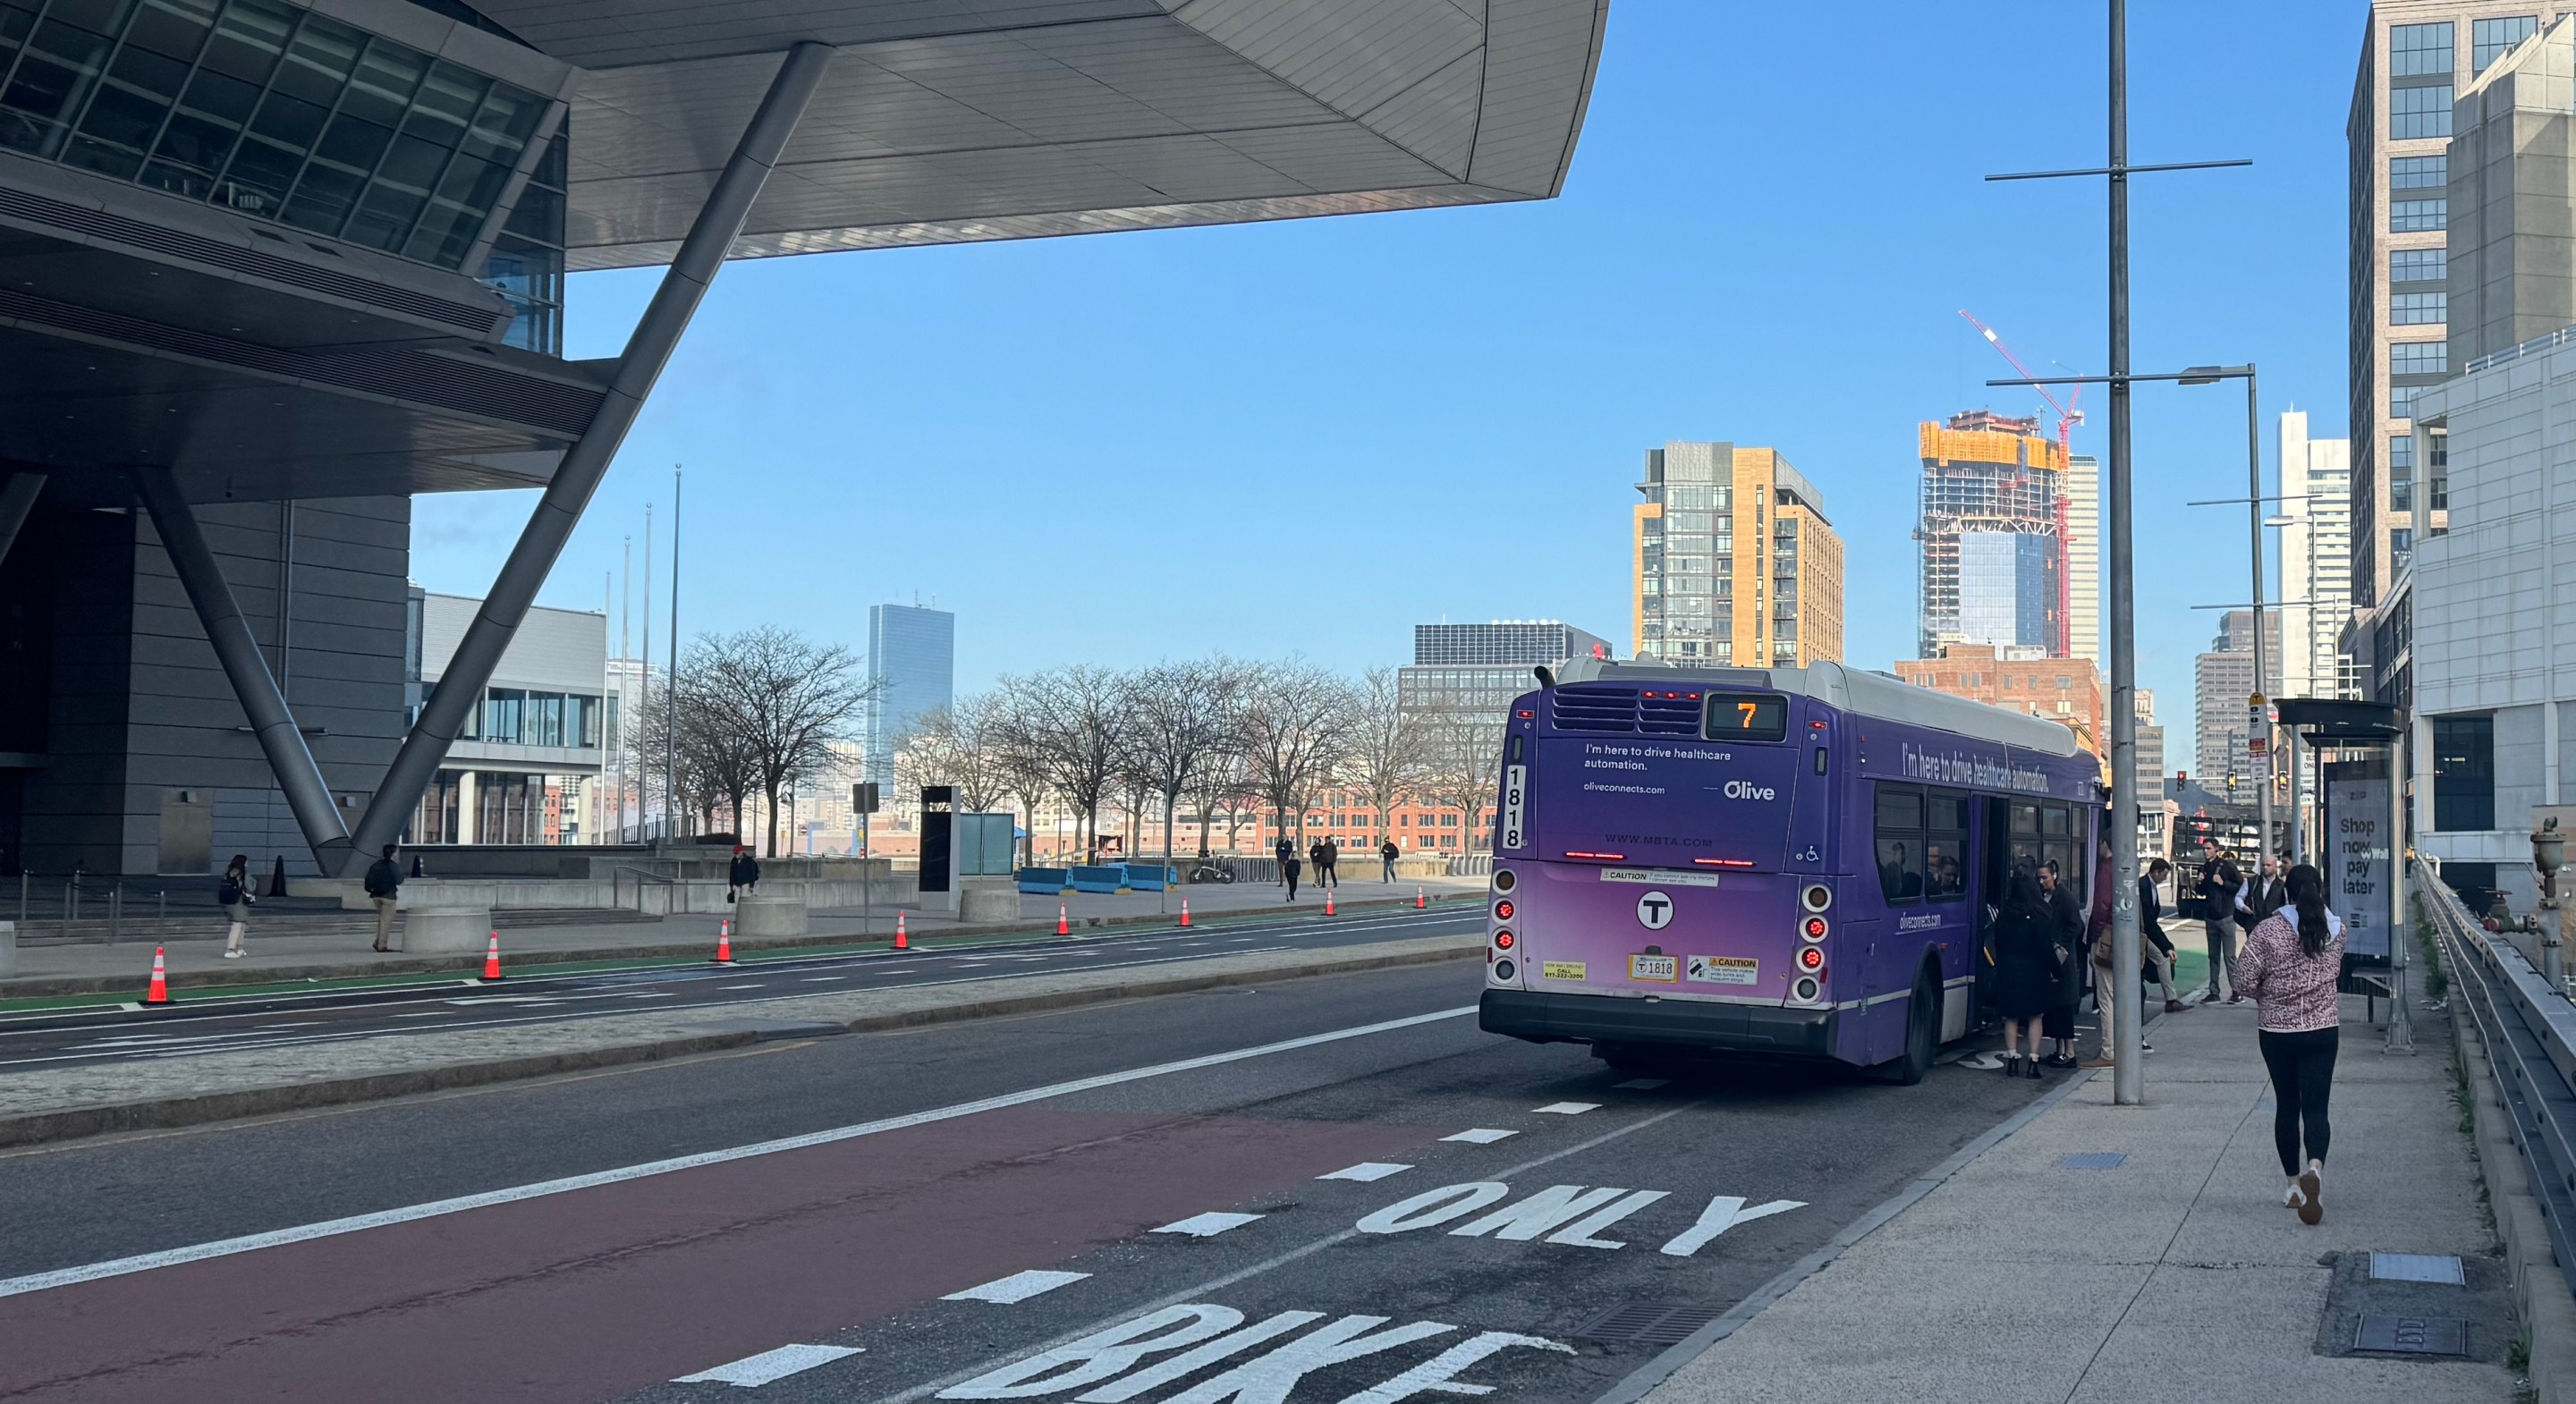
<point>1185,911</point>
<point>902,941</point>
<point>1328,901</point>
<point>724,941</point>
<point>1417,897</point>
<point>159,993</point>
<point>492,958</point>
<point>1062,926</point>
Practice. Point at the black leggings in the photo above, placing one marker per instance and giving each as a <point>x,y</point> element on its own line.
<point>2302,1067</point>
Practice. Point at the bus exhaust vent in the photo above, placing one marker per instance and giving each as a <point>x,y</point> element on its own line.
<point>1592,707</point>
<point>1645,1323</point>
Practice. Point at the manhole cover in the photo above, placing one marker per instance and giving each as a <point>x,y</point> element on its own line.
<point>2417,1267</point>
<point>2092,1160</point>
<point>2412,1335</point>
<point>1645,1323</point>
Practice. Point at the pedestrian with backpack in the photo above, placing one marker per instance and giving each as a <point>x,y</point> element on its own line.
<point>384,888</point>
<point>235,896</point>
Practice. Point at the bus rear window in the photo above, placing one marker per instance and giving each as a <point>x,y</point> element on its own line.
<point>1747,716</point>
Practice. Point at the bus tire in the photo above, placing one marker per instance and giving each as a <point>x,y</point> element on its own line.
<point>1922,1034</point>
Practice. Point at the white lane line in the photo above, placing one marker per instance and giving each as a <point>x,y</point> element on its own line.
<point>1208,1225</point>
<point>1018,1287</point>
<point>1365,1171</point>
<point>1481,1136</point>
<point>753,1371</point>
<point>1568,1108</point>
<point>302,1024</point>
<point>330,1228</point>
<point>501,999</point>
<point>426,1014</point>
<point>1641,1084</point>
<point>820,979</point>
<point>755,985</point>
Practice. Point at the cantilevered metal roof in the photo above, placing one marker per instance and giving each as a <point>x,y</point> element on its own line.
<point>953,120</point>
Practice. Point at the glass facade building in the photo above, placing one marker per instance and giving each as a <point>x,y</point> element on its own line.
<point>912,663</point>
<point>1777,602</point>
<point>1480,668</point>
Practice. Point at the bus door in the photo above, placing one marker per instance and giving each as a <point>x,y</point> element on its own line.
<point>2009,829</point>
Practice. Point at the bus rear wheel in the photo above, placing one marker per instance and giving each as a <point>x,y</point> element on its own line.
<point>1922,1034</point>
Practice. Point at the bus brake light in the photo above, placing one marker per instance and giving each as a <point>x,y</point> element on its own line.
<point>1503,910</point>
<point>1596,857</point>
<point>1814,929</point>
<point>1502,940</point>
<point>1724,862</point>
<point>1811,960</point>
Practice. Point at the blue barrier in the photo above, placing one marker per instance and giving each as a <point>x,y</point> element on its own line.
<point>1110,877</point>
<point>1050,881</point>
<point>1150,877</point>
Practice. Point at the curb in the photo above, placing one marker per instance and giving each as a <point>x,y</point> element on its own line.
<point>2540,1299</point>
<point>51,987</point>
<point>166,1113</point>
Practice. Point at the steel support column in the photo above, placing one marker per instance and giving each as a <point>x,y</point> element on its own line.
<point>307,795</point>
<point>648,350</point>
<point>18,494</point>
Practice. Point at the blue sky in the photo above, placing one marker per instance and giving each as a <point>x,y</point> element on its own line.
<point>1308,436</point>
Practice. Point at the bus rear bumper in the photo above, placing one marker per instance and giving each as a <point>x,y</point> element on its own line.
<point>1557,1018</point>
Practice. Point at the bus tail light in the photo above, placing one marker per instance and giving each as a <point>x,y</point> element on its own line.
<point>1504,881</point>
<point>1502,940</point>
<point>1816,897</point>
<point>1504,970</point>
<point>1503,910</point>
<point>1812,960</point>
<point>1814,928</point>
<point>1806,990</point>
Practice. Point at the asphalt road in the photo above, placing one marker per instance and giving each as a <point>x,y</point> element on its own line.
<point>214,1024</point>
<point>857,1217</point>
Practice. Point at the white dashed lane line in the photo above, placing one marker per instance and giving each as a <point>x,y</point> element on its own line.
<point>1481,1136</point>
<point>753,1371</point>
<point>1018,1287</point>
<point>1208,1225</point>
<point>1568,1108</point>
<point>1365,1171</point>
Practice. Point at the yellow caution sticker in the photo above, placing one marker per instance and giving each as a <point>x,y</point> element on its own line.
<point>1561,969</point>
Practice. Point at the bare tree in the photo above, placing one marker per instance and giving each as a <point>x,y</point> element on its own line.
<point>1462,765</point>
<point>786,698</point>
<point>1292,725</point>
<point>1179,718</point>
<point>1388,746</point>
<point>959,745</point>
<point>1066,722</point>
<point>713,769</point>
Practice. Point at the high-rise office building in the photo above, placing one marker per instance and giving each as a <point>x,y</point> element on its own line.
<point>1991,555</point>
<point>912,663</point>
<point>2416,56</point>
<point>2513,216</point>
<point>1734,561</point>
<point>2316,562</point>
<point>2084,559</point>
<point>2223,688</point>
<point>1480,668</point>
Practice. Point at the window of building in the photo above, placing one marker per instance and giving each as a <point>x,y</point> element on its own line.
<point>2401,545</point>
<point>2464,773</point>
<point>2437,450</point>
<point>504,710</point>
<point>2418,265</point>
<point>2418,309</point>
<point>2418,216</point>
<point>2418,114</point>
<point>2419,172</point>
<point>2492,39</point>
<point>2401,402</point>
<point>2419,357</point>
<point>2415,49</point>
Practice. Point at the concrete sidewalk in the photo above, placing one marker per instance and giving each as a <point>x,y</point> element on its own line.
<point>2174,1275</point>
<point>276,954</point>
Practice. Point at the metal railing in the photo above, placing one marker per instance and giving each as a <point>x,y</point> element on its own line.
<point>2535,345</point>
<point>2529,1030</point>
<point>76,897</point>
<point>617,877</point>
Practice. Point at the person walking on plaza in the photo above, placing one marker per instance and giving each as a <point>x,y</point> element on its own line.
<point>1387,853</point>
<point>234,895</point>
<point>2066,935</point>
<point>384,888</point>
<point>2106,984</point>
<point>2025,983</point>
<point>1288,867</point>
<point>744,874</point>
<point>2219,880</point>
<point>2155,947</point>
<point>2291,964</point>
<point>1328,862</point>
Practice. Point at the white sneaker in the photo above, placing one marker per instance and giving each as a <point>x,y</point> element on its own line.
<point>232,955</point>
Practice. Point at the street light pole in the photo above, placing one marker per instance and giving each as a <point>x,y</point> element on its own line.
<point>2128,1073</point>
<point>2258,728</point>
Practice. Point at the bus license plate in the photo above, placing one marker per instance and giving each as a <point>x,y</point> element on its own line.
<point>1667,969</point>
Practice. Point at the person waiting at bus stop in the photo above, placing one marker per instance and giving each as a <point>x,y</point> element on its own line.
<point>2219,880</point>
<point>2066,929</point>
<point>2106,983</point>
<point>2025,968</point>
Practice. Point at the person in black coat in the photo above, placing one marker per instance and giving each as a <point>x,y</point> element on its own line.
<point>2156,948</point>
<point>2066,930</point>
<point>2025,982</point>
<point>744,873</point>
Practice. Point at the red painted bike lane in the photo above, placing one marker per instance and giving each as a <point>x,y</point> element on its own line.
<point>597,1292</point>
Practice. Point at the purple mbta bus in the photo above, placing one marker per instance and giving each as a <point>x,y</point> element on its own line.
<point>1794,860</point>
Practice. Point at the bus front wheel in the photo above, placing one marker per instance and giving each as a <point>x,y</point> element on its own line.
<point>1922,1034</point>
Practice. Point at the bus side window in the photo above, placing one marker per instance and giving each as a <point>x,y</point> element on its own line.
<point>1945,846</point>
<point>1900,842</point>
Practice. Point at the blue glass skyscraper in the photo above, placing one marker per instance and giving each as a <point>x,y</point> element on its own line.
<point>912,660</point>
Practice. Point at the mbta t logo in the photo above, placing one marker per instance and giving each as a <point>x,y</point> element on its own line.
<point>1655,911</point>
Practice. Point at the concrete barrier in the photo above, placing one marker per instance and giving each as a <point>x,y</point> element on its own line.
<point>991,904</point>
<point>8,948</point>
<point>445,930</point>
<point>769,916</point>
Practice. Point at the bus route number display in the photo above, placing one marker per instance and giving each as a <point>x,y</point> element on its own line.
<point>1747,716</point>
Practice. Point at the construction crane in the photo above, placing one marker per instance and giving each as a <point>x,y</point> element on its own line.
<point>2068,416</point>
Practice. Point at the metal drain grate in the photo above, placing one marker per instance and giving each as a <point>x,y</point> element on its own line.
<point>2417,1267</point>
<point>2092,1160</point>
<point>1645,1323</point>
<point>2412,1335</point>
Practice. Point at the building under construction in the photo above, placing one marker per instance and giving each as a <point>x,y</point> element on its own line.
<point>1992,534</point>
